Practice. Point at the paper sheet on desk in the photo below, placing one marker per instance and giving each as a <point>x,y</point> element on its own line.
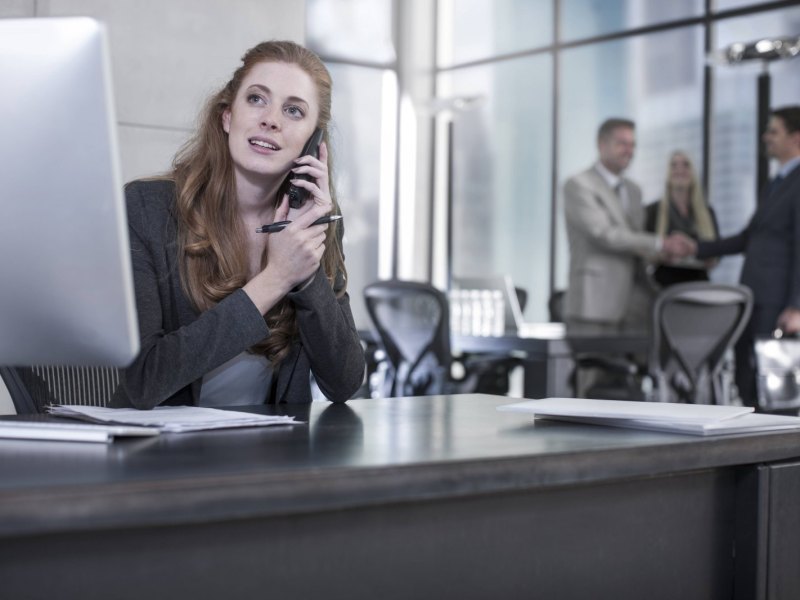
<point>171,419</point>
<point>626,409</point>
<point>749,423</point>
<point>695,419</point>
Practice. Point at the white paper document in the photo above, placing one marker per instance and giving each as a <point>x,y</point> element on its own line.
<point>625,409</point>
<point>749,423</point>
<point>695,419</point>
<point>69,432</point>
<point>171,419</point>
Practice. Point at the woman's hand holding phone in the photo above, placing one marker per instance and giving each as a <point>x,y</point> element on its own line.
<point>298,249</point>
<point>318,188</point>
<point>295,252</point>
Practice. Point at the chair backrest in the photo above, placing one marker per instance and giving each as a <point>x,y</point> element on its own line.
<point>555,306</point>
<point>412,322</point>
<point>522,297</point>
<point>694,327</point>
<point>32,389</point>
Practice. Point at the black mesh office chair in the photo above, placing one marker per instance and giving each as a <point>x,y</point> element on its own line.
<point>622,375</point>
<point>412,322</point>
<point>694,327</point>
<point>492,371</point>
<point>33,388</point>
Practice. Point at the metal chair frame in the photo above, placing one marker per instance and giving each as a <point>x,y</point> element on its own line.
<point>32,389</point>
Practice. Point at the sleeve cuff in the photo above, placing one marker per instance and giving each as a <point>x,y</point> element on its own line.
<point>304,285</point>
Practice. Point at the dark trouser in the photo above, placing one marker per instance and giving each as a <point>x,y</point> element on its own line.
<point>761,324</point>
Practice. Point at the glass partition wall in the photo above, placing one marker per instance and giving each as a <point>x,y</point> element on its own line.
<point>548,72</point>
<point>519,89</point>
<point>356,39</point>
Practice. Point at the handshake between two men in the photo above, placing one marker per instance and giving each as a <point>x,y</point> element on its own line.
<point>677,246</point>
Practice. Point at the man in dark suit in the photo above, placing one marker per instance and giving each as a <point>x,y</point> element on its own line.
<point>771,247</point>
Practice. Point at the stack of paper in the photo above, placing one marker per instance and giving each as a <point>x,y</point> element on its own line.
<point>170,419</point>
<point>696,419</point>
<point>69,432</point>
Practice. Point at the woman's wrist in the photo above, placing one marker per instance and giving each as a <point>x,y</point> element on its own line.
<point>303,285</point>
<point>266,289</point>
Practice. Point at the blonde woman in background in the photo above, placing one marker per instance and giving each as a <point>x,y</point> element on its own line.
<point>682,209</point>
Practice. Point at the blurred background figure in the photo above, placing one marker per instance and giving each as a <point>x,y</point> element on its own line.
<point>770,247</point>
<point>608,292</point>
<point>683,209</point>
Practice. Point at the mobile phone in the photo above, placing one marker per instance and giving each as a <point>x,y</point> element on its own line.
<point>298,195</point>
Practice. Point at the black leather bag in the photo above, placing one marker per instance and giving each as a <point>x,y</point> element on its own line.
<point>778,380</point>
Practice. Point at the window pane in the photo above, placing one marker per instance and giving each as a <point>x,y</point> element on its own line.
<point>476,29</point>
<point>358,30</point>
<point>656,80</point>
<point>720,5</point>
<point>589,18</point>
<point>501,179</point>
<point>734,136</point>
<point>356,145</point>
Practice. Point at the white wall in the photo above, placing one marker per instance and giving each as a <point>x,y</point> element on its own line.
<point>167,57</point>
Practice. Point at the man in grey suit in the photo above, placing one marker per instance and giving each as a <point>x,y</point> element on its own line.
<point>608,293</point>
<point>771,247</point>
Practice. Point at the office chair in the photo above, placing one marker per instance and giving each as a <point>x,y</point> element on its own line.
<point>412,323</point>
<point>492,371</point>
<point>32,389</point>
<point>623,376</point>
<point>555,306</point>
<point>695,325</point>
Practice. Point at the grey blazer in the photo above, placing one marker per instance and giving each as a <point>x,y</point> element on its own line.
<point>180,345</point>
<point>606,245</point>
<point>771,247</point>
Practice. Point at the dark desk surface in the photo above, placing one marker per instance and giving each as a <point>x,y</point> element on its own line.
<point>436,497</point>
<point>364,453</point>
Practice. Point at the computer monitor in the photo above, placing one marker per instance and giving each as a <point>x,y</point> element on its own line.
<point>66,285</point>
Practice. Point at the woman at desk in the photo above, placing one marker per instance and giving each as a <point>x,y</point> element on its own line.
<point>683,209</point>
<point>229,312</point>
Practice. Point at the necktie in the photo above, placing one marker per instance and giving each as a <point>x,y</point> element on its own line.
<point>773,185</point>
<point>624,200</point>
<point>618,190</point>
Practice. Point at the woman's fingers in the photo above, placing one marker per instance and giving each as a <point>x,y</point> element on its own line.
<point>282,210</point>
<point>320,197</point>
<point>316,168</point>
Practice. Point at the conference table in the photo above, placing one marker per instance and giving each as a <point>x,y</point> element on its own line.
<point>547,354</point>
<point>424,497</point>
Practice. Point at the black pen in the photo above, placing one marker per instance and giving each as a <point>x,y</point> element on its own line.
<point>281,225</point>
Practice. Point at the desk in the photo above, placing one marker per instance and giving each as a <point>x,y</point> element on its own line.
<point>547,356</point>
<point>435,497</point>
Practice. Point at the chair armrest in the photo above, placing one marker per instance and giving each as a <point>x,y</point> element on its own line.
<point>615,364</point>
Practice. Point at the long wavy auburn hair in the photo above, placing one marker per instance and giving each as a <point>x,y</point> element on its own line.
<point>212,246</point>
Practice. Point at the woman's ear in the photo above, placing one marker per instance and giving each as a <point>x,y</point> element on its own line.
<point>226,120</point>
